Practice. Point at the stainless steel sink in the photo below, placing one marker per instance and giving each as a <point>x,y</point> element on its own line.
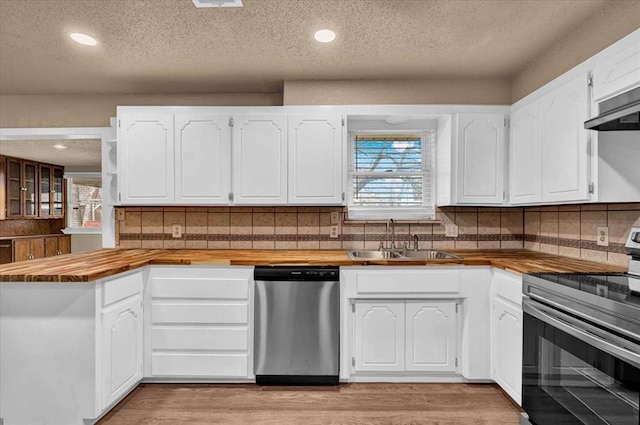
<point>429,254</point>
<point>373,255</point>
<point>401,255</point>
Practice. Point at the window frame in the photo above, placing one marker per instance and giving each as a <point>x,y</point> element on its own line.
<point>426,212</point>
<point>69,229</point>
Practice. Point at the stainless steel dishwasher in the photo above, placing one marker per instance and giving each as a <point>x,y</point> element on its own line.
<point>297,318</point>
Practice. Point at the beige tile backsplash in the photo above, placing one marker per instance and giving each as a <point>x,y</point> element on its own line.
<point>566,230</point>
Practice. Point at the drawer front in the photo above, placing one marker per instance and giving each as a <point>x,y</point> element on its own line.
<point>201,365</point>
<point>120,288</point>
<point>441,282</point>
<point>507,286</point>
<point>200,288</point>
<point>205,313</point>
<point>181,338</point>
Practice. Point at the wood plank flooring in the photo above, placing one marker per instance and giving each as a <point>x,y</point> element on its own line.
<point>348,404</point>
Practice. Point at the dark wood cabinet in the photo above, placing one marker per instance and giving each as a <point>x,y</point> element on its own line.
<point>27,248</point>
<point>32,189</point>
<point>51,191</point>
<point>22,188</point>
<point>57,245</point>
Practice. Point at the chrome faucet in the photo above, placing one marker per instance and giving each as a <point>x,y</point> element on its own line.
<point>390,233</point>
<point>415,242</point>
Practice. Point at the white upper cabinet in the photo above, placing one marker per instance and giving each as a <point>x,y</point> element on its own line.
<point>202,159</point>
<point>481,160</point>
<point>565,160</point>
<point>525,166</point>
<point>145,159</point>
<point>316,171</point>
<point>260,159</point>
<point>617,74</point>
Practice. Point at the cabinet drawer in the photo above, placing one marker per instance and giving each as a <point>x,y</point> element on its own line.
<point>441,282</point>
<point>200,365</point>
<point>218,313</point>
<point>120,288</point>
<point>181,338</point>
<point>205,288</point>
<point>507,286</point>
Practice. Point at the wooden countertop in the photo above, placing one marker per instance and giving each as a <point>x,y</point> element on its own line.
<point>85,267</point>
<point>48,235</point>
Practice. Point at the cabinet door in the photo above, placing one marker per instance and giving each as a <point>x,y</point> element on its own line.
<point>51,246</point>
<point>121,348</point>
<point>618,74</point>
<point>30,189</point>
<point>64,244</point>
<point>507,347</point>
<point>21,250</point>
<point>431,333</point>
<point>14,188</point>
<point>145,159</point>
<point>57,192</point>
<point>481,161</point>
<point>526,160</point>
<point>36,245</point>
<point>260,159</point>
<point>379,336</point>
<point>315,159</point>
<point>44,209</point>
<point>202,159</point>
<point>565,160</point>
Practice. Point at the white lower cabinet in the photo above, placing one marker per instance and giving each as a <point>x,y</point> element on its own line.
<point>200,323</point>
<point>506,321</point>
<point>398,336</point>
<point>121,348</point>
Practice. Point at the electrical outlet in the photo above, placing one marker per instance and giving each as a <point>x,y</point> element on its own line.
<point>334,232</point>
<point>120,214</point>
<point>451,230</point>
<point>176,231</point>
<point>335,217</point>
<point>603,236</point>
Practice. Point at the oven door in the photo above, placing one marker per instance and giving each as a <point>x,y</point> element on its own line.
<point>576,373</point>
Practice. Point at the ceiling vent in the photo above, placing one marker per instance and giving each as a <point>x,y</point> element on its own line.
<point>217,3</point>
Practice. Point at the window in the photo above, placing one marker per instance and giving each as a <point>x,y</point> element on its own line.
<point>391,175</point>
<point>84,194</point>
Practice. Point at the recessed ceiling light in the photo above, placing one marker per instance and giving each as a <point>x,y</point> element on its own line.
<point>59,146</point>
<point>83,39</point>
<point>217,3</point>
<point>325,36</point>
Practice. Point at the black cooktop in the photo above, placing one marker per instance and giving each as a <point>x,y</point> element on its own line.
<point>619,287</point>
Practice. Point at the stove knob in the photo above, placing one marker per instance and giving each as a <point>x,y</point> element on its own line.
<point>635,237</point>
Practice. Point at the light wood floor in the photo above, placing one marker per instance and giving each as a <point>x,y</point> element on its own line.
<point>349,404</point>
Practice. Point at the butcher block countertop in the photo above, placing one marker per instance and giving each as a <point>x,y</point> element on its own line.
<point>89,266</point>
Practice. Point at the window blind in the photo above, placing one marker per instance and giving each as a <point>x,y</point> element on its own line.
<point>390,176</point>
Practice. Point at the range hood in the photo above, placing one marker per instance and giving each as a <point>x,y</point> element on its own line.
<point>618,113</point>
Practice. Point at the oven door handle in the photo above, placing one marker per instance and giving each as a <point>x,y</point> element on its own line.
<point>611,344</point>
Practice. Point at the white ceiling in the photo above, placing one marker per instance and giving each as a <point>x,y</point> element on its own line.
<point>170,46</point>
<point>80,155</point>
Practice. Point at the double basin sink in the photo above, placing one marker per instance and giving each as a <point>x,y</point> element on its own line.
<point>400,255</point>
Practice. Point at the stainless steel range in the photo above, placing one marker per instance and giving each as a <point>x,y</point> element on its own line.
<point>581,350</point>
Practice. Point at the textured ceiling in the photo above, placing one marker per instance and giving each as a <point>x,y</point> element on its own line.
<point>80,154</point>
<point>169,46</point>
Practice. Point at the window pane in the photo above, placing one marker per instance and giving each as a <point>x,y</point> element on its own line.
<point>377,154</point>
<point>387,191</point>
<point>86,202</point>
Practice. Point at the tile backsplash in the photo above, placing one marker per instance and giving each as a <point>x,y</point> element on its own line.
<point>309,228</point>
<point>568,230</point>
<point>571,230</point>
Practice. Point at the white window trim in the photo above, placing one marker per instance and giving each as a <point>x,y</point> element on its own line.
<point>70,230</point>
<point>426,212</point>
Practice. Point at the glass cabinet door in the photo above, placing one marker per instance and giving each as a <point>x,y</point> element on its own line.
<point>14,187</point>
<point>30,189</point>
<point>45,191</point>
<point>58,191</point>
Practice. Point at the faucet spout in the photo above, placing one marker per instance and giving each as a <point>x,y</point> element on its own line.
<point>392,225</point>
